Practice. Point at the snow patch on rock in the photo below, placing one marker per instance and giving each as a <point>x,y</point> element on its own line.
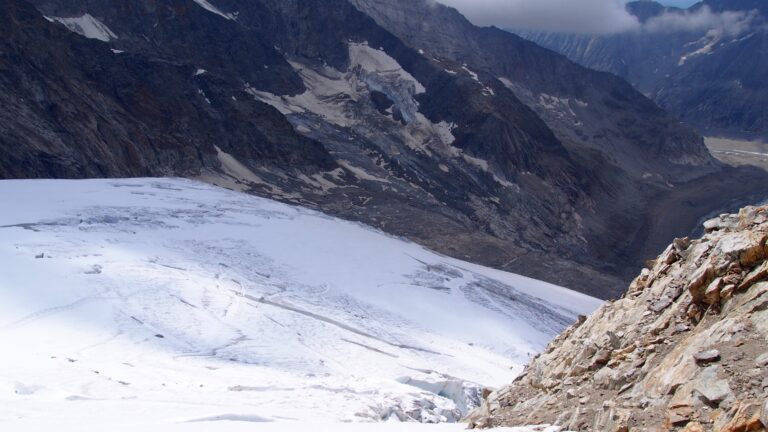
<point>213,9</point>
<point>87,25</point>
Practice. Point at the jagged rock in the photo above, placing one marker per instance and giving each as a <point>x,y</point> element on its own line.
<point>679,416</point>
<point>668,257</point>
<point>762,360</point>
<point>712,390</point>
<point>681,244</point>
<point>661,304</point>
<point>727,292</point>
<point>697,362</point>
<point>756,275</point>
<point>743,417</point>
<point>693,427</point>
<point>699,280</point>
<point>712,293</point>
<point>708,356</point>
<point>764,414</point>
<point>746,247</point>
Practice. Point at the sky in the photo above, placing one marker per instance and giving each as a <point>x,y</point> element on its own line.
<point>588,16</point>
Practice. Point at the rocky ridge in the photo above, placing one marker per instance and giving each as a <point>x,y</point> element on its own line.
<point>686,348</point>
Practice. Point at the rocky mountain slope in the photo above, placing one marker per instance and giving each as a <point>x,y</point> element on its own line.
<point>686,348</point>
<point>514,158</point>
<point>709,75</point>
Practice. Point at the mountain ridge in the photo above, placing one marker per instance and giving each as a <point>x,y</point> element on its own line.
<point>683,349</point>
<point>710,77</point>
<point>419,143</point>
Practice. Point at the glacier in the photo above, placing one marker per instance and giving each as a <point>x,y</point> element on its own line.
<point>176,304</point>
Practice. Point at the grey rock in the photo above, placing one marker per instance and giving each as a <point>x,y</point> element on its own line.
<point>708,356</point>
<point>764,414</point>
<point>661,304</point>
<point>762,360</point>
<point>711,389</point>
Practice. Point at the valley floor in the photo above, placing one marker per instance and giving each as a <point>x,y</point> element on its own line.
<point>739,152</point>
<point>159,303</point>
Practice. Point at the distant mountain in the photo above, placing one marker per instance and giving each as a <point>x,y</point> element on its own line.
<point>710,75</point>
<point>399,114</point>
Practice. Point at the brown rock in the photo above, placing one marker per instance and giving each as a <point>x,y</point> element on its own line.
<point>602,358</point>
<point>669,256</point>
<point>681,244</point>
<point>693,427</point>
<point>695,312</point>
<point>756,275</point>
<point>679,416</point>
<point>699,280</point>
<point>486,392</point>
<point>745,246</point>
<point>663,372</point>
<point>712,293</point>
<point>727,292</point>
<point>745,419</point>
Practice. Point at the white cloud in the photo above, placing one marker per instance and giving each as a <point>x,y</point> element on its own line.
<point>729,22</point>
<point>592,16</point>
<point>567,16</point>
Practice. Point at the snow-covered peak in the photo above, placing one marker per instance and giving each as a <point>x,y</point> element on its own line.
<point>175,301</point>
<point>88,26</point>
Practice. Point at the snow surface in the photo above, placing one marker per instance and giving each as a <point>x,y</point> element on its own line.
<point>168,303</point>
<point>87,26</point>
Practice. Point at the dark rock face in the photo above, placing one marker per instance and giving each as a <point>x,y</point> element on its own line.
<point>710,78</point>
<point>71,107</point>
<point>472,141</point>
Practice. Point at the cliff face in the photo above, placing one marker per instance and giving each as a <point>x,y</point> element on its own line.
<point>686,348</point>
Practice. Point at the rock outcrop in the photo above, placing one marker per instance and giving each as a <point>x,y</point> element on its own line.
<point>686,348</point>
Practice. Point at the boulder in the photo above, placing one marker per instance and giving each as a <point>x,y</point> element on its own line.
<point>756,275</point>
<point>714,391</point>
<point>762,360</point>
<point>746,247</point>
<point>744,417</point>
<point>708,356</point>
<point>712,293</point>
<point>679,416</point>
<point>699,280</point>
<point>693,427</point>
